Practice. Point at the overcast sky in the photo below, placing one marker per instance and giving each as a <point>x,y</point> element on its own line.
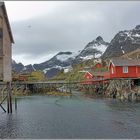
<point>43,28</point>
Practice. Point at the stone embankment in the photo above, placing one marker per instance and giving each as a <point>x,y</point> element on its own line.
<point>123,90</point>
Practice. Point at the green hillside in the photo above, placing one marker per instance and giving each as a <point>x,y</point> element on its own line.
<point>77,74</point>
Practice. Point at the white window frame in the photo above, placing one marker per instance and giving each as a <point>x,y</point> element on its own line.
<point>125,69</point>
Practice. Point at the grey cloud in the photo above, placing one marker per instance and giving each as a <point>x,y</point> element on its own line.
<point>72,25</point>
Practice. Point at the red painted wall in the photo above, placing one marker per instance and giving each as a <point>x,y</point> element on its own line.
<point>98,65</point>
<point>88,76</point>
<point>138,71</point>
<point>133,71</point>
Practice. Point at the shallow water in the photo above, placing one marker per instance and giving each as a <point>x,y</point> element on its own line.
<point>75,117</point>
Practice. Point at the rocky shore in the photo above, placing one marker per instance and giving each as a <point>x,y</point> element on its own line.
<point>123,90</point>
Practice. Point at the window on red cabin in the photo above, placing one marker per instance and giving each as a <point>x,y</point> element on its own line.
<point>125,69</point>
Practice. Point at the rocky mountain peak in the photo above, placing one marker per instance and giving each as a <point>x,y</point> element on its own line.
<point>124,42</point>
<point>137,27</point>
<point>67,53</point>
<point>96,43</point>
<point>99,39</point>
<point>93,49</point>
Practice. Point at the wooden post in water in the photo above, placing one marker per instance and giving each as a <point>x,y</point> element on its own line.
<point>130,85</point>
<point>70,87</point>
<point>15,103</point>
<point>9,98</point>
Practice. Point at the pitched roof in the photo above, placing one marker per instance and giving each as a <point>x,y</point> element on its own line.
<point>98,73</point>
<point>125,62</point>
<point>2,5</point>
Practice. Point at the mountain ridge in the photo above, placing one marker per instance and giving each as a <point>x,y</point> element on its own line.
<point>123,42</point>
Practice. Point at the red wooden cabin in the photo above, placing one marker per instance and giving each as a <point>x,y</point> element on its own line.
<point>97,66</point>
<point>124,68</point>
<point>95,77</point>
<point>88,75</point>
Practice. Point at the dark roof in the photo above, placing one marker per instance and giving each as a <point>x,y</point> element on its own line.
<point>125,62</point>
<point>98,73</point>
<point>7,21</point>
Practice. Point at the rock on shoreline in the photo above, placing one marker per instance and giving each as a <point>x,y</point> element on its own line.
<point>123,90</point>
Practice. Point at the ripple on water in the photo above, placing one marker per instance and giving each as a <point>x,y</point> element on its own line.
<point>60,117</point>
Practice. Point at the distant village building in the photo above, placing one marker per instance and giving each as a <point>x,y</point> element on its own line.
<point>68,69</point>
<point>118,69</point>
<point>33,76</point>
<point>96,74</point>
<point>88,75</point>
<point>6,40</point>
<point>97,66</point>
<point>92,77</point>
<point>97,60</point>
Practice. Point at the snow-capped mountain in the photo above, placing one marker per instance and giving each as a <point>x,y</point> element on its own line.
<point>93,49</point>
<point>123,42</point>
<point>60,61</point>
<point>66,56</point>
<point>64,60</point>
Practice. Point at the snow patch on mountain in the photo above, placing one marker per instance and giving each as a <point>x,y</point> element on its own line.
<point>136,35</point>
<point>87,57</point>
<point>24,69</point>
<point>123,43</point>
<point>99,46</point>
<point>93,49</point>
<point>56,67</point>
<point>33,68</point>
<point>66,57</point>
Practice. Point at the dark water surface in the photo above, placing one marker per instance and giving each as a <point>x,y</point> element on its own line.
<point>75,117</point>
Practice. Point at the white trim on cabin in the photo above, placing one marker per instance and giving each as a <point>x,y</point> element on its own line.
<point>90,73</point>
<point>125,69</point>
<point>111,63</point>
<point>112,70</point>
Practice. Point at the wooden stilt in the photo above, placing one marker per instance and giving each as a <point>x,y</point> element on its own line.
<point>15,103</point>
<point>70,87</point>
<point>1,104</point>
<point>7,102</point>
<point>9,98</point>
<point>130,84</point>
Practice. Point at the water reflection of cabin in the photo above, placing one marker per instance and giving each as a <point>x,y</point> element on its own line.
<point>6,40</point>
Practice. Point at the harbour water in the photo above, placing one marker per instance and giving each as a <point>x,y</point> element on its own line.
<point>71,117</point>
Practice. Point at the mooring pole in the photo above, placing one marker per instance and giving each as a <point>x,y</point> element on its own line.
<point>9,98</point>
<point>15,103</point>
